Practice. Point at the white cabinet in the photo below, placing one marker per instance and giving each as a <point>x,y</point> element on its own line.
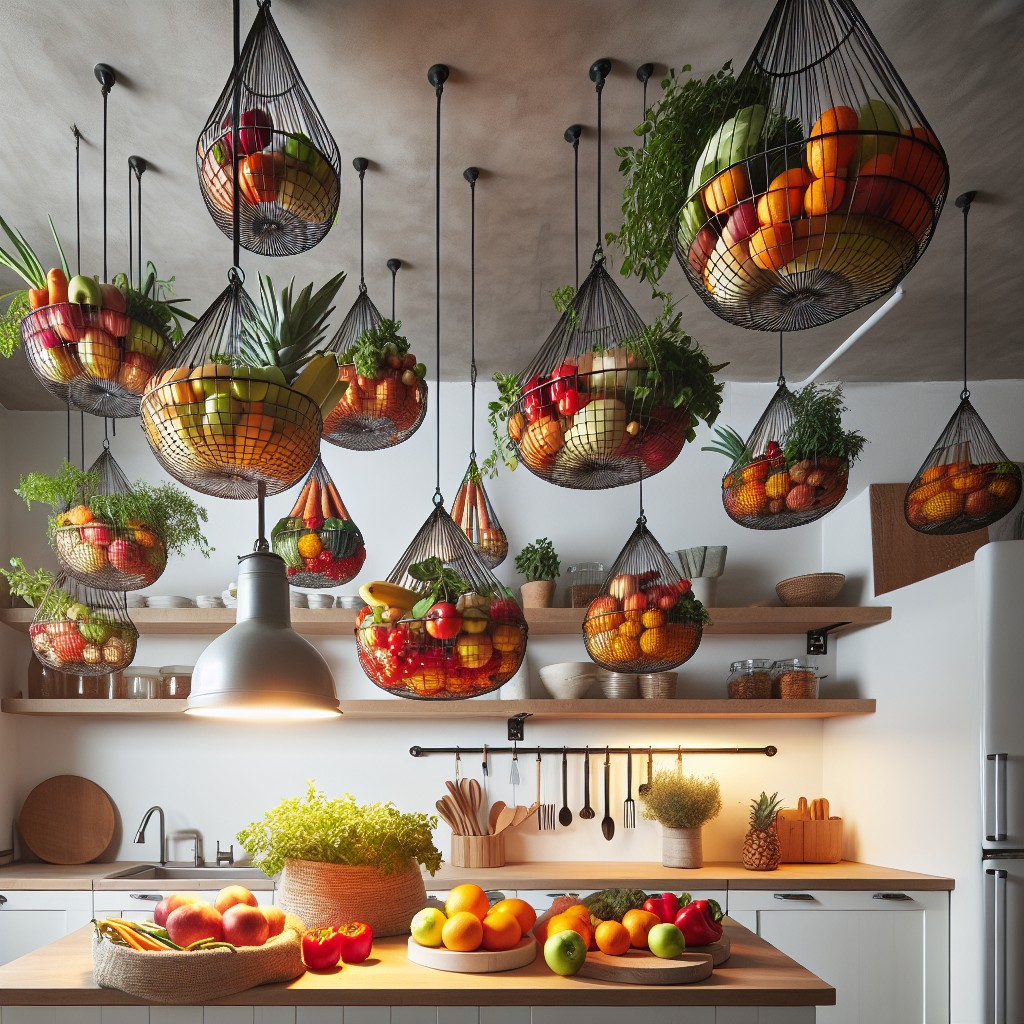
<point>30,919</point>
<point>139,903</point>
<point>886,953</point>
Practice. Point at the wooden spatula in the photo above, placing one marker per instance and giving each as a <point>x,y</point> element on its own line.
<point>492,815</point>
<point>805,811</point>
<point>504,820</point>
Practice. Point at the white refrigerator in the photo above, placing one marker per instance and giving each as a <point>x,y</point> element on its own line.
<point>1000,589</point>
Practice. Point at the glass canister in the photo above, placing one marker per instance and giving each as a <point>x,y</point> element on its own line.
<point>44,682</point>
<point>140,683</point>
<point>585,580</point>
<point>750,679</point>
<point>175,682</point>
<point>795,679</point>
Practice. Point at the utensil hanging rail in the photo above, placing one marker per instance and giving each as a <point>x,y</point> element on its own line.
<point>418,751</point>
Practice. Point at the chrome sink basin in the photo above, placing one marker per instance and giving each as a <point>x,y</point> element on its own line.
<point>169,871</point>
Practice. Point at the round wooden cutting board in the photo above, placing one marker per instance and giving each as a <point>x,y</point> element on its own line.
<point>67,820</point>
<point>720,950</point>
<point>480,961</point>
<point>641,968</point>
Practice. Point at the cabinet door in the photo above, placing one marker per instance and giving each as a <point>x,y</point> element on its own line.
<point>139,904</point>
<point>29,920</point>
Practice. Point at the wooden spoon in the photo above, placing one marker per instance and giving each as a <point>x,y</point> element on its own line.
<point>452,823</point>
<point>462,807</point>
<point>505,819</point>
<point>456,814</point>
<point>473,797</point>
<point>522,813</point>
<point>492,816</point>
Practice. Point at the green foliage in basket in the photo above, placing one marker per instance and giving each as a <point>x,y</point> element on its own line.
<point>340,831</point>
<point>681,801</point>
<point>538,561</point>
<point>31,587</point>
<point>818,426</point>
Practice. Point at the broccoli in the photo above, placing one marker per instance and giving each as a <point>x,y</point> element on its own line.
<point>611,904</point>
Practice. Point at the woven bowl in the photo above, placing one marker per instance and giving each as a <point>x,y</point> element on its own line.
<point>816,588</point>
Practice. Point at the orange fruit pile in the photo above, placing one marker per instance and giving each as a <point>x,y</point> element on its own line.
<point>472,923</point>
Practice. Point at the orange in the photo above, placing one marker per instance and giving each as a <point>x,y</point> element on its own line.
<point>916,161</point>
<point>772,248</point>
<point>970,479</point>
<point>827,151</point>
<point>1003,485</point>
<point>727,189</point>
<point>911,210</point>
<point>604,622</point>
<point>612,938</point>
<point>932,473</point>
<point>519,909</point>
<point>751,498</point>
<point>600,645</point>
<point>926,491</point>
<point>757,470</point>
<point>572,923</point>
<point>778,484</point>
<point>631,629</point>
<point>80,515</point>
<point>501,931</point>
<point>824,195</point>
<point>654,642</point>
<point>784,199</point>
<point>940,507</point>
<point>638,923</point>
<point>462,932</point>
<point>624,650</point>
<point>468,897</point>
<point>578,910</point>
<point>652,618</point>
<point>681,641</point>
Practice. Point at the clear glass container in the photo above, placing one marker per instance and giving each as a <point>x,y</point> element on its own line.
<point>175,682</point>
<point>88,687</point>
<point>795,679</point>
<point>585,579</point>
<point>140,682</point>
<point>750,679</point>
<point>45,683</point>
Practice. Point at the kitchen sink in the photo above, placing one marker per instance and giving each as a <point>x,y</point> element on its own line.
<point>170,871</point>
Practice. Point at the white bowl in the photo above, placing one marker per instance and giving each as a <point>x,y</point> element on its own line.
<point>568,680</point>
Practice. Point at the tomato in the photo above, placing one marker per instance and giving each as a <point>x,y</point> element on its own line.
<point>356,941</point>
<point>535,403</point>
<point>398,638</point>
<point>563,381</point>
<point>321,949</point>
<point>443,621</point>
<point>505,609</point>
<point>375,637</point>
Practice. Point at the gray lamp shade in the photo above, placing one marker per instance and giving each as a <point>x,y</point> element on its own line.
<point>261,668</point>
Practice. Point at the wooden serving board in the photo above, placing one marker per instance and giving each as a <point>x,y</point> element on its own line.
<point>719,951</point>
<point>480,961</point>
<point>67,820</point>
<point>639,968</point>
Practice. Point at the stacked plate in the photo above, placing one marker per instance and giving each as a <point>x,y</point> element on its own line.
<point>620,685</point>
<point>658,685</point>
<point>320,600</point>
<point>209,601</point>
<point>350,601</point>
<point>137,600</point>
<point>166,601</point>
<point>297,599</point>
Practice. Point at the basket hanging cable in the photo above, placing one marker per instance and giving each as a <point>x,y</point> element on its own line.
<point>572,136</point>
<point>106,77</point>
<point>136,166</point>
<point>78,198</point>
<point>394,265</point>
<point>437,76</point>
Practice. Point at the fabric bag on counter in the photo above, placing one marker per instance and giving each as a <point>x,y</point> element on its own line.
<point>324,894</point>
<point>201,975</point>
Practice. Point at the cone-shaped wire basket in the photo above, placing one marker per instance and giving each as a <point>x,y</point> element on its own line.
<point>101,553</point>
<point>821,181</point>
<point>379,411</point>
<point>469,642</point>
<point>646,618</point>
<point>589,417</point>
<point>320,544</point>
<point>218,426</point>
<point>288,162</point>
<point>82,630</point>
<point>966,483</point>
<point>99,360</point>
<point>764,491</point>
<point>474,515</point>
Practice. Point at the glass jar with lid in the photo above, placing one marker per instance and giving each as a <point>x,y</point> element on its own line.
<point>585,579</point>
<point>175,682</point>
<point>795,679</point>
<point>750,679</point>
<point>140,682</point>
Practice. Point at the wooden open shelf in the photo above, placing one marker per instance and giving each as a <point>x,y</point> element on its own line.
<point>396,707</point>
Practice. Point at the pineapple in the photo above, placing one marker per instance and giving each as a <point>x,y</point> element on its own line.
<point>761,844</point>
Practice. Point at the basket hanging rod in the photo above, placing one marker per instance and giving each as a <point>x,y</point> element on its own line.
<point>593,749</point>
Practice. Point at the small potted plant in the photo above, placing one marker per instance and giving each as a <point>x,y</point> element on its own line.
<point>682,804</point>
<point>538,562</point>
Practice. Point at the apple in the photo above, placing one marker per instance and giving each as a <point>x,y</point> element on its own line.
<point>85,291</point>
<point>97,534</point>
<point>232,895</point>
<point>113,298</point>
<point>666,941</point>
<point>742,223</point>
<point>193,922</point>
<point>635,602</point>
<point>99,354</point>
<point>426,927</point>
<point>252,383</point>
<point>275,919</point>
<point>443,620</point>
<point>125,556</point>
<point>48,338</point>
<point>222,413</point>
<point>701,248</point>
<point>169,904</point>
<point>145,340</point>
<point>254,132</point>
<point>245,925</point>
<point>565,952</point>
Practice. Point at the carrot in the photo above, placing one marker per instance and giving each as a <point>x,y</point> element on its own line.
<point>339,506</point>
<point>460,504</point>
<point>133,938</point>
<point>39,297</point>
<point>312,509</point>
<point>325,501</point>
<point>57,286</point>
<point>300,503</point>
<point>483,519</point>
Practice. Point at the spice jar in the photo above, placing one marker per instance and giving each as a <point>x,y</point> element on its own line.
<point>795,679</point>
<point>750,679</point>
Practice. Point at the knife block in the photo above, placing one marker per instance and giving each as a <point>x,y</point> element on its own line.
<point>803,841</point>
<point>478,851</point>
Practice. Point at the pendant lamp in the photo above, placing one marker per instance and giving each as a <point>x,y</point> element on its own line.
<point>967,482</point>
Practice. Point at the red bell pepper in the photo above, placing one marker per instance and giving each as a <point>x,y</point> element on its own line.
<point>700,922</point>
<point>535,403</point>
<point>664,906</point>
<point>356,941</point>
<point>321,948</point>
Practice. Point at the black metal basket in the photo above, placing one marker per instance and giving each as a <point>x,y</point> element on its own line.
<point>646,618</point>
<point>966,483</point>
<point>288,162</point>
<point>474,515</point>
<point>83,631</point>
<point>470,646</point>
<point>822,185</point>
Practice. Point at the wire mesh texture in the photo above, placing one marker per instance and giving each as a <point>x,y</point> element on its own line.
<point>468,640</point>
<point>320,544</point>
<point>97,359</point>
<point>288,162</point>
<point>222,428</point>
<point>589,416</point>
<point>102,554</point>
<point>646,618</point>
<point>821,186</point>
<point>82,630</point>
<point>966,483</point>
<point>474,515</point>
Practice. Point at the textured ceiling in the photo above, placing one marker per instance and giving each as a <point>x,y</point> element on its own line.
<point>519,78</point>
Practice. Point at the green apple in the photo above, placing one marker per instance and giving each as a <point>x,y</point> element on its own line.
<point>85,291</point>
<point>666,941</point>
<point>426,927</point>
<point>300,147</point>
<point>252,383</point>
<point>222,412</point>
<point>145,340</point>
<point>565,952</point>
<point>878,116</point>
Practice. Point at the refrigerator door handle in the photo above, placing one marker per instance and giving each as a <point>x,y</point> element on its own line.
<point>998,797</point>
<point>998,945</point>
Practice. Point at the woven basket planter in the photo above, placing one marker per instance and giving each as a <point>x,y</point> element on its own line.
<point>327,894</point>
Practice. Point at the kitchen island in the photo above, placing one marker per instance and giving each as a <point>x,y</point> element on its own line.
<point>757,985</point>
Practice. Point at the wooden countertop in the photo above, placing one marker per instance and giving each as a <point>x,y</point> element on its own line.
<point>756,974</point>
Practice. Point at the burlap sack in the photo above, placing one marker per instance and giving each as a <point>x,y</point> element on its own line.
<point>200,975</point>
<point>329,894</point>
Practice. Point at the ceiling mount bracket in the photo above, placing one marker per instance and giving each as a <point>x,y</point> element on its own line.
<point>394,265</point>
<point>437,76</point>
<point>471,174</point>
<point>573,133</point>
<point>138,164</point>
<point>600,70</point>
<point>516,727</point>
<point>106,76</point>
<point>360,163</point>
<point>964,200</point>
<point>644,72</point>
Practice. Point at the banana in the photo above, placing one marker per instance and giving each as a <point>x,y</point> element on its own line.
<point>390,595</point>
<point>333,398</point>
<point>317,378</point>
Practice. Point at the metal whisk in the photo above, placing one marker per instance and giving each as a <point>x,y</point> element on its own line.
<point>629,804</point>
<point>545,812</point>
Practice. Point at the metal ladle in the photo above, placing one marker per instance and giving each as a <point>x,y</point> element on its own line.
<point>608,822</point>
<point>588,812</point>
<point>565,815</point>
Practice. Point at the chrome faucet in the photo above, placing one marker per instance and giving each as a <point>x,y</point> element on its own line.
<point>197,845</point>
<point>140,836</point>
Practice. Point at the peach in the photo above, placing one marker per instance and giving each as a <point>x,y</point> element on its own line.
<point>194,922</point>
<point>231,895</point>
<point>245,925</point>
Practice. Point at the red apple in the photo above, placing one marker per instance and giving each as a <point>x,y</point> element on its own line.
<point>245,925</point>
<point>113,298</point>
<point>275,919</point>
<point>742,223</point>
<point>97,535</point>
<point>125,555</point>
<point>635,602</point>
<point>193,922</point>
<point>232,895</point>
<point>701,248</point>
<point>169,904</point>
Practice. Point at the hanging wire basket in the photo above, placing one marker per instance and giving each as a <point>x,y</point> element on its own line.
<point>646,618</point>
<point>288,162</point>
<point>320,544</point>
<point>98,360</point>
<point>101,554</point>
<point>474,515</point>
<point>821,186</point>
<point>222,428</point>
<point>966,483</point>
<point>83,631</point>
<point>379,411</point>
<point>466,644</point>
<point>588,416</point>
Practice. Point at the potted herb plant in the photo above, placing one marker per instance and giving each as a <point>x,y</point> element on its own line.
<point>539,563</point>
<point>344,861</point>
<point>682,804</point>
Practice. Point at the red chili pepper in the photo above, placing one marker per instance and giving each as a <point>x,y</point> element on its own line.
<point>700,922</point>
<point>356,941</point>
<point>664,906</point>
<point>321,948</point>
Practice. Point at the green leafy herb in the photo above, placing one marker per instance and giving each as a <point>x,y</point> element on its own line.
<point>31,587</point>
<point>689,609</point>
<point>340,831</point>
<point>563,300</point>
<point>730,443</point>
<point>372,348</point>
<point>443,584</point>
<point>10,321</point>
<point>498,412</point>
<point>818,426</point>
<point>681,801</point>
<point>68,486</point>
<point>155,304</point>
<point>538,561</point>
